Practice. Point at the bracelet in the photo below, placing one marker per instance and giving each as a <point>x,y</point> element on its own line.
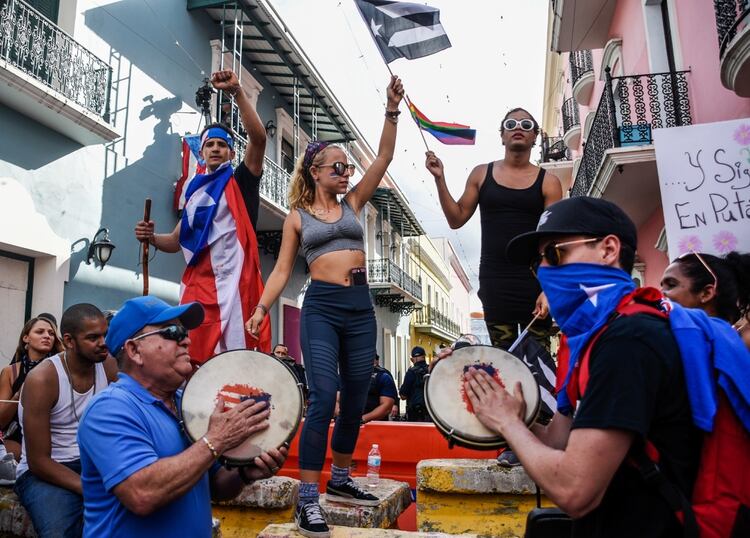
<point>210,446</point>
<point>262,307</point>
<point>243,476</point>
<point>392,113</point>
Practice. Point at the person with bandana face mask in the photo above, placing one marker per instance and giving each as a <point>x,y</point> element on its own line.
<point>583,252</point>
<point>217,233</point>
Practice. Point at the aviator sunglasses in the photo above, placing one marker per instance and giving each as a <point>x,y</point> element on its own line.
<point>554,251</point>
<point>339,168</point>
<point>176,333</point>
<point>525,125</point>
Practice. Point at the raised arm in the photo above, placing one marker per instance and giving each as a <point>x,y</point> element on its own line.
<point>280,274</point>
<point>456,212</point>
<point>256,133</point>
<point>358,197</point>
<point>170,242</point>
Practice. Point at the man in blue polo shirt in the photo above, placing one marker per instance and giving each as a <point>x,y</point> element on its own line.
<point>141,476</point>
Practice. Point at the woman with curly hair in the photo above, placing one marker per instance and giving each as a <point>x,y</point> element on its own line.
<point>720,286</point>
<point>338,329</point>
<point>38,340</point>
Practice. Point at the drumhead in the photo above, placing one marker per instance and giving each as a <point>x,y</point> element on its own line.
<point>449,406</point>
<point>238,375</point>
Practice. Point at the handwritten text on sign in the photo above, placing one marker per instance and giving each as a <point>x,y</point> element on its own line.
<point>704,176</point>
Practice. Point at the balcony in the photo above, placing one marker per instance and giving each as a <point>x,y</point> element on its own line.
<point>554,149</point>
<point>581,24</point>
<point>430,321</point>
<point>733,28</point>
<point>571,123</point>
<point>392,287</point>
<point>582,75</point>
<point>621,138</point>
<point>46,75</point>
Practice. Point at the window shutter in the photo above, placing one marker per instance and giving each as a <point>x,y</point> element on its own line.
<point>48,8</point>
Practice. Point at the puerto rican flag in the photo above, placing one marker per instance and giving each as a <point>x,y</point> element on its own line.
<point>223,268</point>
<point>192,164</point>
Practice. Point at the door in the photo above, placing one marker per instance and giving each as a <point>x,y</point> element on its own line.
<point>291,331</point>
<point>16,276</point>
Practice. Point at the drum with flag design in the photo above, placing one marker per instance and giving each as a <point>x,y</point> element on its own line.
<point>240,375</point>
<point>449,405</point>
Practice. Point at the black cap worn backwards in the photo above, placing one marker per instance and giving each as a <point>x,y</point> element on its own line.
<point>580,215</point>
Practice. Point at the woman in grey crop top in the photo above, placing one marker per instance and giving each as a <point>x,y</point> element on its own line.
<point>338,329</point>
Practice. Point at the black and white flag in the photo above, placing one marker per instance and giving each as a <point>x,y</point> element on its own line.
<point>403,29</point>
<point>538,359</point>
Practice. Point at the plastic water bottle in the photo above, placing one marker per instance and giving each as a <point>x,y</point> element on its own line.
<point>373,466</point>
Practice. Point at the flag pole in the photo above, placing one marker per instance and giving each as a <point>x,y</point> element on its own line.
<point>521,336</point>
<point>408,103</point>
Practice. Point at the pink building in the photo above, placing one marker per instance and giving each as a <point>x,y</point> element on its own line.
<point>617,70</point>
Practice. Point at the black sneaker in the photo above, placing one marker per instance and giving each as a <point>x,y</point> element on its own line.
<point>310,521</point>
<point>508,459</point>
<point>350,493</point>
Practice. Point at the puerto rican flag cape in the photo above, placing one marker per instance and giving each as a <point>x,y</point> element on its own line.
<point>223,269</point>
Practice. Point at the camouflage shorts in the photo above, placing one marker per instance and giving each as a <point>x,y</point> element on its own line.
<point>502,335</point>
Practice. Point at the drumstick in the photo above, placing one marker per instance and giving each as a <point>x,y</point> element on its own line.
<point>9,401</point>
<point>144,253</point>
<point>521,336</point>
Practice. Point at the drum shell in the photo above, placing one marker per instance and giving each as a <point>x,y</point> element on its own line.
<point>460,426</point>
<point>251,368</point>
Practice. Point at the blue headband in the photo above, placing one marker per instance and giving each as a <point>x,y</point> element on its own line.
<point>218,132</point>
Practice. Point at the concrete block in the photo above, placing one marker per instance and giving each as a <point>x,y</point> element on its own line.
<point>265,501</point>
<point>272,493</point>
<point>14,521</point>
<point>288,531</point>
<point>474,496</point>
<point>472,476</point>
<point>394,498</point>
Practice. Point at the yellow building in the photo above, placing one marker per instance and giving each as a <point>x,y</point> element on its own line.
<point>434,323</point>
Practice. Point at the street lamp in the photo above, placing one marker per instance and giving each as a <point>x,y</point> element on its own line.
<point>270,128</point>
<point>101,249</point>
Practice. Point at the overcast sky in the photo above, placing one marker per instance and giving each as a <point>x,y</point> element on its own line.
<point>496,63</point>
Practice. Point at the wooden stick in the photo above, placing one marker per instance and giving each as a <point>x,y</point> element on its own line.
<point>144,254</point>
<point>408,103</point>
<point>521,336</point>
<point>9,401</point>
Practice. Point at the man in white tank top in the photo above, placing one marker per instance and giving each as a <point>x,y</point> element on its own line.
<point>53,399</point>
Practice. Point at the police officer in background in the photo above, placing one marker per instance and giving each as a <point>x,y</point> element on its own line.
<point>412,389</point>
<point>381,396</point>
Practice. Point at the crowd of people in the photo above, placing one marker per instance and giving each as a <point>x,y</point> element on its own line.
<point>90,410</point>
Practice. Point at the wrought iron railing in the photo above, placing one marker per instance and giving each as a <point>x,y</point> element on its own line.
<point>274,185</point>
<point>630,108</point>
<point>384,271</point>
<point>36,46</point>
<point>554,149</point>
<point>570,114</point>
<point>431,316</point>
<point>581,63</point>
<point>731,15</point>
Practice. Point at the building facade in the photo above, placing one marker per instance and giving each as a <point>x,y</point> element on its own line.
<point>94,102</point>
<point>619,69</point>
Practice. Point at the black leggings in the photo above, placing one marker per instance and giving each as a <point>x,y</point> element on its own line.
<point>337,333</point>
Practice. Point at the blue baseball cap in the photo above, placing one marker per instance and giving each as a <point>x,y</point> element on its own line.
<point>418,351</point>
<point>136,313</point>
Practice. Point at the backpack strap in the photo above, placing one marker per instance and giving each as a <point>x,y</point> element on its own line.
<point>644,457</point>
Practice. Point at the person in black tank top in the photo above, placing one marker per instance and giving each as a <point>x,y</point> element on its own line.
<point>511,195</point>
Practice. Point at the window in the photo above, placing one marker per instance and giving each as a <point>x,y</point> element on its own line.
<point>48,8</point>
<point>287,156</point>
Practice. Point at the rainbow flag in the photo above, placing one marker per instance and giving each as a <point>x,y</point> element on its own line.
<point>453,134</point>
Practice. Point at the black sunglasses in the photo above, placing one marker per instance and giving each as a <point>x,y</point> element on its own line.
<point>553,252</point>
<point>177,333</point>
<point>339,168</point>
<point>525,125</point>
